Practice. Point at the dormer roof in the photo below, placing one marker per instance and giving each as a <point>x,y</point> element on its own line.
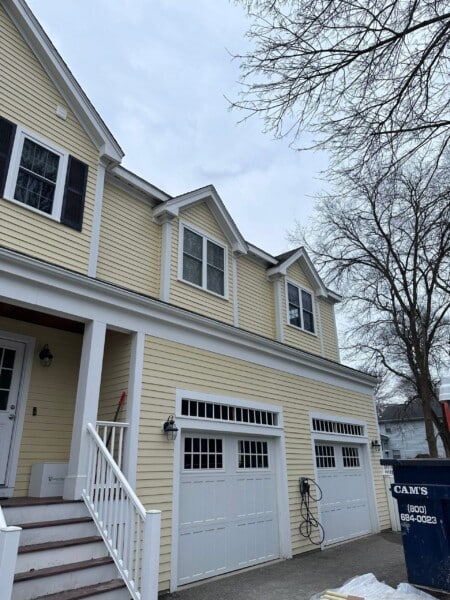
<point>62,78</point>
<point>208,194</point>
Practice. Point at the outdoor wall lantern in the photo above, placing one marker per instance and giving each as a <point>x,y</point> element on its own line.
<point>170,428</point>
<point>45,356</point>
<point>376,445</point>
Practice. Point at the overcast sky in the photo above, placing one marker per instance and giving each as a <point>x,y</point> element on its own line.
<point>158,72</point>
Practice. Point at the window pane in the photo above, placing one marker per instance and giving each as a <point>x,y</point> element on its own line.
<point>39,160</point>
<point>307,301</point>
<point>4,399</point>
<point>215,280</point>
<point>215,255</point>
<point>8,358</point>
<point>192,270</point>
<point>308,321</point>
<point>293,295</point>
<point>294,315</point>
<point>193,244</point>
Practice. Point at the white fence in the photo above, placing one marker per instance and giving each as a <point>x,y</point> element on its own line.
<point>392,502</point>
<point>131,533</point>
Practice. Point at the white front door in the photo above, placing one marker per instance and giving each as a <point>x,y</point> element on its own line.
<point>344,507</point>
<point>228,508</point>
<point>11,361</point>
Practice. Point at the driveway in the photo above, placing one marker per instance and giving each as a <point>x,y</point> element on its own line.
<point>308,574</point>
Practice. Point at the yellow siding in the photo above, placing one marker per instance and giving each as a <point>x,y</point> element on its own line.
<point>256,301</point>
<point>130,243</point>
<point>29,98</point>
<point>187,296</point>
<point>169,366</point>
<point>327,317</point>
<point>115,372</point>
<point>47,436</point>
<point>293,336</point>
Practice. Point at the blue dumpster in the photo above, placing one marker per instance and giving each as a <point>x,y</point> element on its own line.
<point>422,490</point>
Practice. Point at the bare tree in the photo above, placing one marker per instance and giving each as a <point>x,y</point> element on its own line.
<point>385,243</point>
<point>363,76</point>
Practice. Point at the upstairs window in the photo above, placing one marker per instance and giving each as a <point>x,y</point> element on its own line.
<point>203,262</point>
<point>45,179</point>
<point>300,308</point>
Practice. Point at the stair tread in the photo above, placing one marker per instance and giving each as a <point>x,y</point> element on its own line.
<point>56,570</point>
<point>37,524</point>
<point>59,544</point>
<point>86,591</point>
<point>34,501</point>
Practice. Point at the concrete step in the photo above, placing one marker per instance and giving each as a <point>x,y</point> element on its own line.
<point>41,510</point>
<point>51,554</point>
<point>111,590</point>
<point>54,531</point>
<point>62,578</point>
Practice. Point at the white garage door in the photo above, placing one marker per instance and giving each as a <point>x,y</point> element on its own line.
<point>228,511</point>
<point>344,508</point>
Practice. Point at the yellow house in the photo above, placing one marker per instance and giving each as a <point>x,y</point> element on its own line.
<point>128,317</point>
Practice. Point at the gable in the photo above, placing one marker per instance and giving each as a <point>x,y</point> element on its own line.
<point>297,275</point>
<point>200,216</point>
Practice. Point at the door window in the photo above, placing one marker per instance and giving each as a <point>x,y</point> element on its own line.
<point>7,357</point>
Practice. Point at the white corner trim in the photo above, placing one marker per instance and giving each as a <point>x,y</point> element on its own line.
<point>235,291</point>
<point>166,259</point>
<point>319,327</point>
<point>97,219</point>
<point>279,321</point>
<point>333,311</point>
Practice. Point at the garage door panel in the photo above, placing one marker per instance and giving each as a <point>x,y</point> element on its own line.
<point>228,519</point>
<point>344,507</point>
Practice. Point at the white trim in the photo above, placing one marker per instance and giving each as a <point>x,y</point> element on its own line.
<point>16,439</point>
<point>134,406</point>
<point>301,288</point>
<point>13,171</point>
<point>37,285</point>
<point>209,195</point>
<point>235,291</point>
<point>280,467</point>
<point>166,259</point>
<point>136,186</point>
<point>364,445</point>
<point>279,321</point>
<point>302,257</point>
<point>258,253</point>
<point>205,239</point>
<point>333,313</point>
<point>97,219</point>
<point>319,326</point>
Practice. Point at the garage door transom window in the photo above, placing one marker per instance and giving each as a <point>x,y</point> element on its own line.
<point>325,457</point>
<point>350,456</point>
<point>253,455</point>
<point>203,453</point>
<point>226,412</point>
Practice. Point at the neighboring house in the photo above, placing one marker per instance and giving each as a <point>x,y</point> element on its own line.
<point>130,289</point>
<point>402,431</point>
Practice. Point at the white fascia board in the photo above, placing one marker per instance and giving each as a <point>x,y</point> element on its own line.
<point>255,251</point>
<point>41,286</point>
<point>301,256</point>
<point>136,186</point>
<point>209,195</point>
<point>63,79</point>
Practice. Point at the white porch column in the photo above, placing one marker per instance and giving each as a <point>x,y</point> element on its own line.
<point>134,406</point>
<point>86,406</point>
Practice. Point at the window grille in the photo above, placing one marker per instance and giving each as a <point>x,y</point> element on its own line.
<point>323,425</point>
<point>350,456</point>
<point>253,454</point>
<point>226,412</point>
<point>325,457</point>
<point>203,453</point>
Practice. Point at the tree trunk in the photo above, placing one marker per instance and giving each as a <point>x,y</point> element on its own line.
<point>427,396</point>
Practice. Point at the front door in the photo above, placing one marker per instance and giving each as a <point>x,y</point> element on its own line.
<point>11,360</point>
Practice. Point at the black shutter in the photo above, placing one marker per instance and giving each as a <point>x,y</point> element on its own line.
<point>74,192</point>
<point>7,133</point>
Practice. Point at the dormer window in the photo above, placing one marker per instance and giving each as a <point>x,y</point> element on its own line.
<point>300,308</point>
<point>203,262</point>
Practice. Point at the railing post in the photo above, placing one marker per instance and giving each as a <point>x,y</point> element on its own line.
<point>150,555</point>
<point>9,543</point>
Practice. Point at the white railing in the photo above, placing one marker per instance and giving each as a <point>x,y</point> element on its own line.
<point>9,544</point>
<point>112,435</point>
<point>131,534</point>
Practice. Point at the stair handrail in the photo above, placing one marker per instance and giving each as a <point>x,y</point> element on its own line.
<point>131,533</point>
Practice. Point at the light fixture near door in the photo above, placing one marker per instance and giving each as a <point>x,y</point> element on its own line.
<point>45,356</point>
<point>170,428</point>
